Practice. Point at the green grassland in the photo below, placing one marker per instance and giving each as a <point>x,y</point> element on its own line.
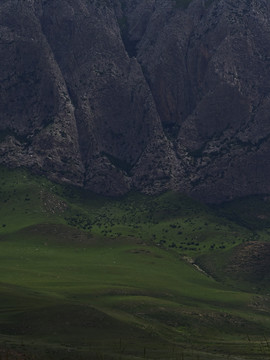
<point>90,277</point>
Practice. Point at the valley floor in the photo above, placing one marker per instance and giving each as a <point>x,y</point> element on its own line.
<point>88,277</point>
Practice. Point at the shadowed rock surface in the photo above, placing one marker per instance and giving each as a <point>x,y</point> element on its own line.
<point>149,95</point>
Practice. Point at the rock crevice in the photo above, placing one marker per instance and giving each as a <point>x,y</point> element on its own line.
<point>138,94</point>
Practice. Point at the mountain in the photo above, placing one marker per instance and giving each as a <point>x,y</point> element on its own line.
<point>150,95</point>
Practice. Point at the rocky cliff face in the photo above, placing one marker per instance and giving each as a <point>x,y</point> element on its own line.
<point>150,95</point>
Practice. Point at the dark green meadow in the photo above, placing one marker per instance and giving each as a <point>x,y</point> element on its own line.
<point>138,277</point>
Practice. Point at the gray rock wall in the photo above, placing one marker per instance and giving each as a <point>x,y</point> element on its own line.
<point>149,95</point>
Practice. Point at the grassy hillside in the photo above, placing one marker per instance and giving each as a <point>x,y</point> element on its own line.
<point>89,277</point>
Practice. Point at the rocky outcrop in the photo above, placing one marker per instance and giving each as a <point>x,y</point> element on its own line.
<point>138,94</point>
<point>250,262</point>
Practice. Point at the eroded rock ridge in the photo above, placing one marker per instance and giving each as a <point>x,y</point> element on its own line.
<point>151,95</point>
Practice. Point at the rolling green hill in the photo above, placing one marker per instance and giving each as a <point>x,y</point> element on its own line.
<point>137,277</point>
